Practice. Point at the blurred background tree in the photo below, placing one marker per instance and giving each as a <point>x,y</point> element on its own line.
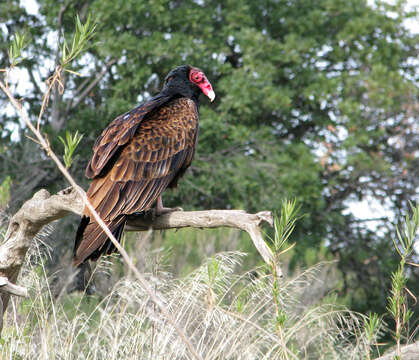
<point>315,100</point>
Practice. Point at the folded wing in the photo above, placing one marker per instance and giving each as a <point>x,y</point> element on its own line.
<point>118,133</point>
<point>131,168</point>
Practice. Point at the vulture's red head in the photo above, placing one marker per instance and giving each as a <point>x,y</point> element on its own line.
<point>188,81</point>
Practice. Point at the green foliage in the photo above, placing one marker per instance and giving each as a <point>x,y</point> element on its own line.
<point>371,324</point>
<point>406,236</point>
<point>398,305</point>
<point>16,48</point>
<point>285,225</point>
<point>280,319</point>
<point>372,327</point>
<point>80,42</point>
<point>70,144</point>
<point>5,191</point>
<point>213,267</point>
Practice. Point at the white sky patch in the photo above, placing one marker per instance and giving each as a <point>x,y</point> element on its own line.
<point>370,209</point>
<point>411,24</point>
<point>31,6</point>
<point>18,79</point>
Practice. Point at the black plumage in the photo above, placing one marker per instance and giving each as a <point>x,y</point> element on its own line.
<point>138,156</point>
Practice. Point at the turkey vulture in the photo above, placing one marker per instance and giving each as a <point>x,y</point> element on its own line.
<point>138,156</point>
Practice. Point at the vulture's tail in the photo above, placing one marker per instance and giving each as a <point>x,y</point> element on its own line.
<point>91,240</point>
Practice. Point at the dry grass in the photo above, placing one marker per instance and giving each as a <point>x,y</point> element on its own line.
<point>226,316</point>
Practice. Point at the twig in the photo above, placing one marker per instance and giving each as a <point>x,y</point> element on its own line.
<point>238,219</point>
<point>44,208</point>
<point>57,97</point>
<point>86,91</point>
<point>7,286</point>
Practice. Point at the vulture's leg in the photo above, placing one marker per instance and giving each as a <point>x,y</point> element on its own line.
<point>160,209</point>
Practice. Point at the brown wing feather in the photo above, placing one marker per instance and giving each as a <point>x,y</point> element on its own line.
<point>161,149</point>
<point>118,133</point>
<point>93,241</point>
<point>149,162</point>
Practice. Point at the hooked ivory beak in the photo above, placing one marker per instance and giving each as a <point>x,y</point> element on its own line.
<point>211,95</point>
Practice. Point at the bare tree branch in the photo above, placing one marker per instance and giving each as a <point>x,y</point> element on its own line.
<point>34,82</point>
<point>238,219</point>
<point>71,105</point>
<point>409,352</point>
<point>43,208</point>
<point>7,286</point>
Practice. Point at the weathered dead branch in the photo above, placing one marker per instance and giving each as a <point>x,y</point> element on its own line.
<point>44,208</point>
<point>409,352</point>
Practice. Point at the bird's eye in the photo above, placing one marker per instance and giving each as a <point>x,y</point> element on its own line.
<point>196,77</point>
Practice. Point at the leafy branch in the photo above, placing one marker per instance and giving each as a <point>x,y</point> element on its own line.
<point>70,144</point>
<point>284,225</point>
<point>372,326</point>
<point>80,43</point>
<point>16,48</point>
<point>397,301</point>
<point>81,38</point>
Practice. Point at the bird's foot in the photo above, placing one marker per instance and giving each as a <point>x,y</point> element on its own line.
<point>161,210</point>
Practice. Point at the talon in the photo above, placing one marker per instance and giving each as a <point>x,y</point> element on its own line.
<point>160,209</point>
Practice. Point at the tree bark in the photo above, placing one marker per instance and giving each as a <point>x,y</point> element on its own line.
<point>43,208</point>
<point>409,352</point>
